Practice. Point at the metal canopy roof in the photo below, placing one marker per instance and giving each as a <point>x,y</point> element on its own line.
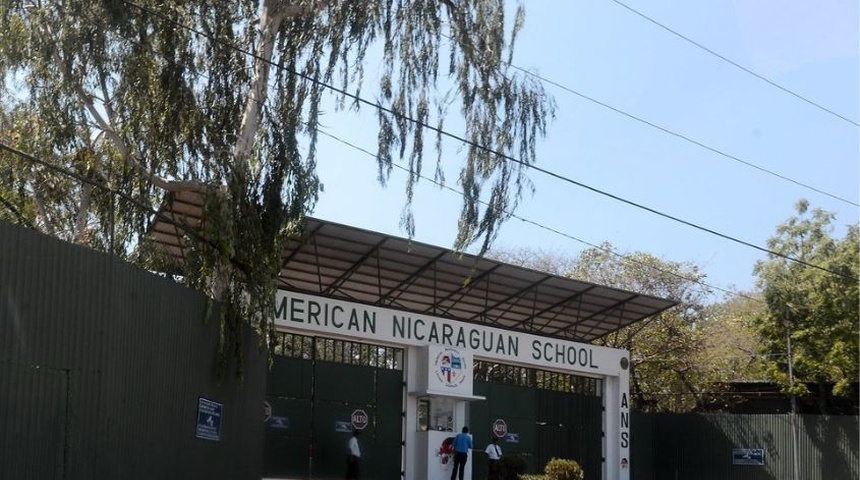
<point>353,264</point>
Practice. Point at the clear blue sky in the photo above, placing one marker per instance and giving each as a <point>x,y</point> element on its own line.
<point>606,52</point>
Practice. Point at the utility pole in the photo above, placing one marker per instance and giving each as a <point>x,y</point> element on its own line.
<point>793,414</point>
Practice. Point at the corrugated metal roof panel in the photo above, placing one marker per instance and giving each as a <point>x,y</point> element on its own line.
<point>353,264</point>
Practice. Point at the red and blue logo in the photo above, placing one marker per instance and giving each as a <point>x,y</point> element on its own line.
<point>450,367</point>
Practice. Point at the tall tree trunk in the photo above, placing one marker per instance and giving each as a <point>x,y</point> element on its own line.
<point>271,16</point>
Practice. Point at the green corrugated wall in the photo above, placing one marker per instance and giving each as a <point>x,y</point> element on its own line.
<point>699,447</point>
<point>101,367</point>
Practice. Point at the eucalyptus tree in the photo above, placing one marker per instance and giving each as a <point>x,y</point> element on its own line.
<point>141,100</point>
<point>813,303</point>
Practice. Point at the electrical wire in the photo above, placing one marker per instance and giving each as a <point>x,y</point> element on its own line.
<point>84,180</point>
<point>684,137</point>
<point>675,134</point>
<point>735,64</point>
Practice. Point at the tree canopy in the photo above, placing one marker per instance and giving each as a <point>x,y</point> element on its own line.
<point>667,372</point>
<point>664,373</point>
<point>127,102</point>
<point>814,301</point>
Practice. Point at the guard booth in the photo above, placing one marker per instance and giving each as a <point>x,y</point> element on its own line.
<point>440,390</point>
<point>360,316</point>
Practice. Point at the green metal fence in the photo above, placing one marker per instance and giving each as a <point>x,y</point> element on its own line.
<point>311,402</point>
<point>101,368</point>
<point>744,447</point>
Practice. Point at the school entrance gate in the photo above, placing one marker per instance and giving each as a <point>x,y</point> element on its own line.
<point>318,391</point>
<point>444,309</point>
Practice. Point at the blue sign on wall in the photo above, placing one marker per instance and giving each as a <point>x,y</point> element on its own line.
<point>342,427</point>
<point>209,419</point>
<point>747,456</point>
<point>279,422</point>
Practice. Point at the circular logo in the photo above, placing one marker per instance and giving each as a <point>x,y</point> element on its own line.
<point>450,367</point>
<point>267,411</point>
<point>359,419</point>
<point>624,363</point>
<point>500,428</point>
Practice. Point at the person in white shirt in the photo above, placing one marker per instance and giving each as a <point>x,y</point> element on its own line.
<point>494,455</point>
<point>353,472</point>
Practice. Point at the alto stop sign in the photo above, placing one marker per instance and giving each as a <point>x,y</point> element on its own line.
<point>500,428</point>
<point>359,419</point>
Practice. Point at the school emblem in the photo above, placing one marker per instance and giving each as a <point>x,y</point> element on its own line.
<point>450,367</point>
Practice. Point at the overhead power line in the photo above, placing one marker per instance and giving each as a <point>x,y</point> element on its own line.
<point>675,134</point>
<point>684,137</point>
<point>84,180</point>
<point>466,141</point>
<point>737,65</point>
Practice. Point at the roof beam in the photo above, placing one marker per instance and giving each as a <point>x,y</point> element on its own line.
<point>507,300</point>
<point>463,291</point>
<point>348,272</point>
<point>610,308</point>
<point>389,296</point>
<point>564,301</point>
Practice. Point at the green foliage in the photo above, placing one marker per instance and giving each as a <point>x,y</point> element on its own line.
<point>678,356</point>
<point>139,103</point>
<point>513,465</point>
<point>664,372</point>
<point>563,469</point>
<point>816,307</point>
<point>731,342</point>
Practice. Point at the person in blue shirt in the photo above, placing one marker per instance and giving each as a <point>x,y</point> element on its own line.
<point>462,445</point>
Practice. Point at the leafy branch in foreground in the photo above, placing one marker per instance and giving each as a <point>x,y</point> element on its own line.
<point>222,99</point>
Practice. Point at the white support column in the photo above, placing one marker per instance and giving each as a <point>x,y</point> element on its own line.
<point>415,451</point>
<point>616,427</point>
<point>610,427</point>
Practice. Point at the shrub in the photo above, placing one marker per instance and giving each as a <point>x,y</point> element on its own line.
<point>563,469</point>
<point>513,466</point>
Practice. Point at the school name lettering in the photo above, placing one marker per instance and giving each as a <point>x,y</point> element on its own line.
<point>310,312</point>
<point>563,354</point>
<point>355,319</point>
<point>406,328</point>
<point>625,421</point>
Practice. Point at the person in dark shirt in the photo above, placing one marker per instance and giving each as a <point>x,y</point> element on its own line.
<point>462,445</point>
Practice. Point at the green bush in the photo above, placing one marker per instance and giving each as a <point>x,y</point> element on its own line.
<point>513,466</point>
<point>562,469</point>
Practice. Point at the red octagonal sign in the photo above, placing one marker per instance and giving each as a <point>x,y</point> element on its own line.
<point>500,428</point>
<point>359,419</point>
